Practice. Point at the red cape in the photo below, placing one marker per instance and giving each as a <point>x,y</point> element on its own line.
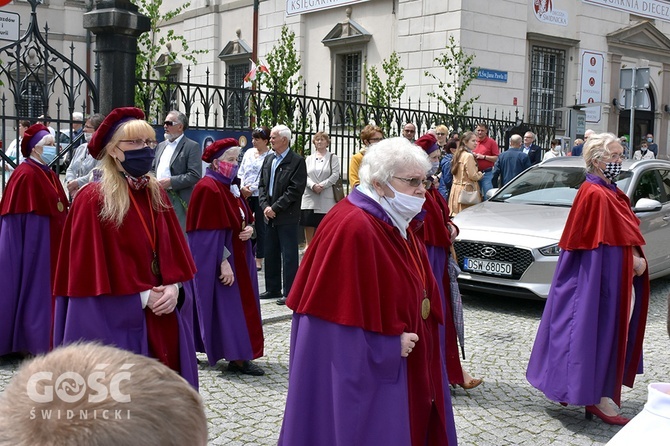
<point>381,292</point>
<point>32,191</point>
<point>208,197</point>
<point>214,207</point>
<point>372,299</point>
<point>434,230</point>
<point>97,258</point>
<point>591,218</point>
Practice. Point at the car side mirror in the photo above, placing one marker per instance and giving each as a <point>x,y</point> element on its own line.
<point>647,205</point>
<point>491,192</point>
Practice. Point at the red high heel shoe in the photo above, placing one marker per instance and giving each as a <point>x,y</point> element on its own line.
<point>616,420</point>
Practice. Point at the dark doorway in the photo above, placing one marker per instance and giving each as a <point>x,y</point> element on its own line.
<point>644,121</point>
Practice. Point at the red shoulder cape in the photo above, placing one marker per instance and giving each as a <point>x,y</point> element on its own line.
<point>434,230</point>
<point>32,189</point>
<point>381,291</point>
<point>204,209</point>
<point>97,258</point>
<point>600,216</point>
<point>213,207</point>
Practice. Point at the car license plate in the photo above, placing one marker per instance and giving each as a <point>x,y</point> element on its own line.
<point>487,267</point>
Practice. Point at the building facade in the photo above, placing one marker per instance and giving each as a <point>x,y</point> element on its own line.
<point>546,58</point>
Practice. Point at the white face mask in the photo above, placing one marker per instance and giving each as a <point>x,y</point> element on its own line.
<point>434,166</point>
<point>404,206</point>
<point>88,136</point>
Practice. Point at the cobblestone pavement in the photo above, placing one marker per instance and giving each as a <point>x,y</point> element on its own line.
<point>505,410</point>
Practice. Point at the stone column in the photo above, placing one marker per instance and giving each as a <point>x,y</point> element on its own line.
<point>116,25</point>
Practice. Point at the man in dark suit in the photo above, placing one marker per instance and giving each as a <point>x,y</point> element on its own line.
<point>510,163</point>
<point>531,149</point>
<point>177,164</point>
<point>280,188</point>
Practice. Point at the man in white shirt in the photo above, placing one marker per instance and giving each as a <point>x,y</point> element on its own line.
<point>177,164</point>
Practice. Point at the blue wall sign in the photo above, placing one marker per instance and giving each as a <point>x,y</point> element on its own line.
<point>491,75</point>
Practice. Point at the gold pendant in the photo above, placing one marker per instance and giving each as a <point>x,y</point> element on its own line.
<point>60,206</point>
<point>154,267</point>
<point>425,308</point>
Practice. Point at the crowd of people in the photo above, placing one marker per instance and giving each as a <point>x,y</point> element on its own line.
<point>149,255</point>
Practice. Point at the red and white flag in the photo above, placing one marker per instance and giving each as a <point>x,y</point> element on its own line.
<point>251,75</point>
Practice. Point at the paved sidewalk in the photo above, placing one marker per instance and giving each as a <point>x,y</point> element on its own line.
<point>505,410</point>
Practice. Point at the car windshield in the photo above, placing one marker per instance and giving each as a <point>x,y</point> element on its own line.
<point>555,186</point>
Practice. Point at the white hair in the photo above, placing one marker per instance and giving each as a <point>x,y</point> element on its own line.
<point>384,159</point>
<point>596,148</point>
<point>282,131</point>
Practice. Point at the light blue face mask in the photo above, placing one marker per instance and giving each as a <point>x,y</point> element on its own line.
<point>650,139</point>
<point>49,154</point>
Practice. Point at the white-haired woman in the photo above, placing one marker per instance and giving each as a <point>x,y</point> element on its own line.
<point>369,339</point>
<point>124,255</point>
<point>32,214</point>
<point>228,314</point>
<point>589,342</point>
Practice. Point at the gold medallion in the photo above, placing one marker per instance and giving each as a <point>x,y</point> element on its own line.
<point>154,267</point>
<point>60,206</point>
<point>425,308</point>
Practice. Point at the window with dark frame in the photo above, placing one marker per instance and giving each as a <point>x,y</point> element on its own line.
<point>32,99</point>
<point>547,84</point>
<point>350,77</point>
<point>237,99</point>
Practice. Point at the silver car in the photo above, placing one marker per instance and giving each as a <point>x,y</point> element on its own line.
<point>508,245</point>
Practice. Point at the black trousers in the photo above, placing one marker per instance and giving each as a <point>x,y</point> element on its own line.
<point>281,257</point>
<point>260,225</point>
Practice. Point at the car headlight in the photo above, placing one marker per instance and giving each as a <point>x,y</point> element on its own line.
<point>551,250</point>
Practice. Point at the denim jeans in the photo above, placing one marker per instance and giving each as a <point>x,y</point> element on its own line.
<point>485,183</point>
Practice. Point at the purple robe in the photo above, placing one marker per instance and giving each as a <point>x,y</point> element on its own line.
<point>25,300</point>
<point>120,321</point>
<point>348,387</point>
<point>574,358</point>
<point>221,326</point>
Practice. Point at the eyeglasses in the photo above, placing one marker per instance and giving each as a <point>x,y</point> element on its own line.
<point>440,134</point>
<point>170,123</point>
<point>615,156</point>
<point>89,127</point>
<point>141,142</point>
<point>415,182</point>
<point>409,131</point>
<point>261,131</point>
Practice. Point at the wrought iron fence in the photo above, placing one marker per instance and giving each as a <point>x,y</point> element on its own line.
<point>210,107</point>
<point>40,81</point>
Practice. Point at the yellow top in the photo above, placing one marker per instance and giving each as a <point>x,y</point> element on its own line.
<point>354,165</point>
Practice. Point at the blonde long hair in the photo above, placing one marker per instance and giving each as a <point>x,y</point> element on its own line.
<point>461,148</point>
<point>114,185</point>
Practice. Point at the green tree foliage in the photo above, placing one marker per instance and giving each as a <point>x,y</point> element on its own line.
<point>151,44</point>
<point>379,93</point>
<point>460,73</point>
<point>283,79</point>
<point>382,94</point>
<point>284,65</point>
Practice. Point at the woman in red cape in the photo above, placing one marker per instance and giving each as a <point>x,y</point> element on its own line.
<point>227,310</point>
<point>589,342</point>
<point>124,256</point>
<point>32,215</point>
<point>437,231</point>
<point>365,364</point>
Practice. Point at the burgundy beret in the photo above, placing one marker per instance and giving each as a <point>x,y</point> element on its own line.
<point>428,143</point>
<point>217,148</point>
<point>106,130</point>
<point>31,137</point>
